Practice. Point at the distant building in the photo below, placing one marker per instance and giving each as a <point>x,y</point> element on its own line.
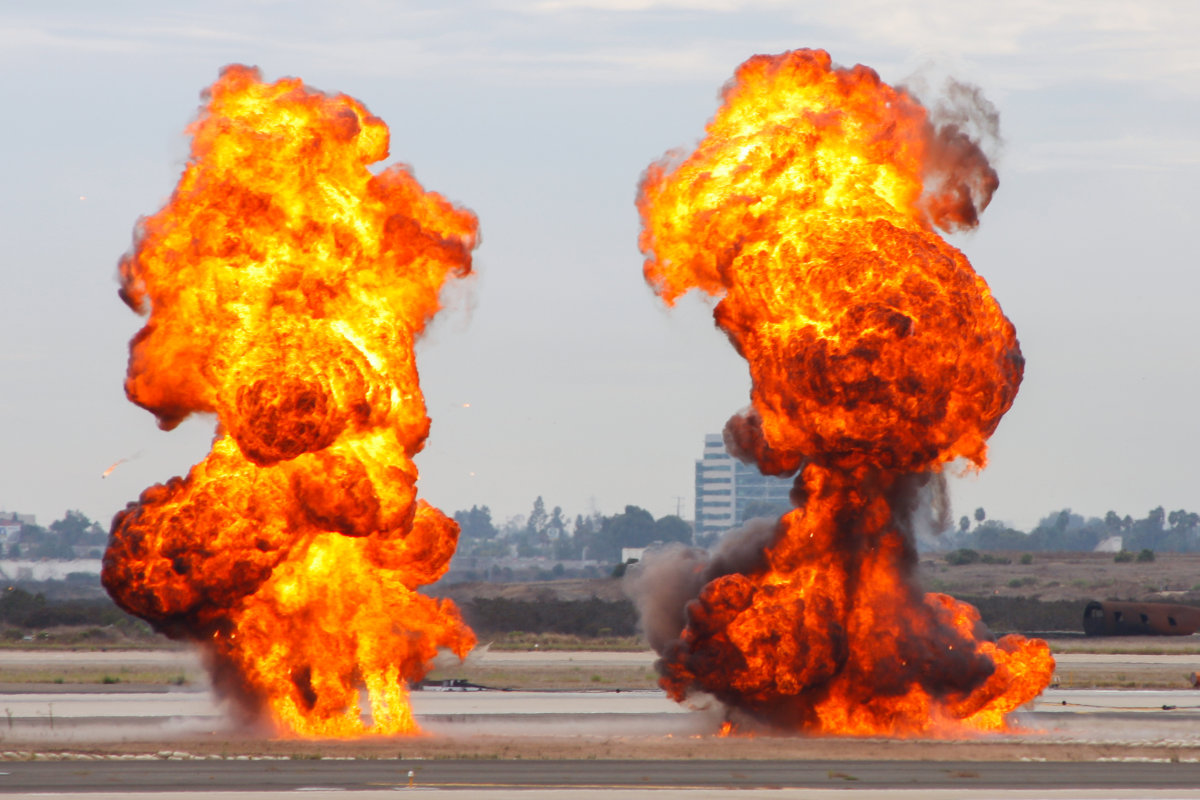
<point>729,492</point>
<point>10,529</point>
<point>632,554</point>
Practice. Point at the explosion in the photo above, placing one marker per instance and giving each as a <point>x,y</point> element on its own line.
<point>877,355</point>
<point>285,285</point>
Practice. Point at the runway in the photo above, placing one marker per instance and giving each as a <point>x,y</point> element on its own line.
<point>178,742</point>
<point>46,718</point>
<point>474,776</point>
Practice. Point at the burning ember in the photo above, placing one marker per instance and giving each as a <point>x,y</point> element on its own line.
<point>285,285</point>
<point>877,356</point>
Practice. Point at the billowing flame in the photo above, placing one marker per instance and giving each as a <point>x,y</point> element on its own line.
<point>285,285</point>
<point>877,355</point>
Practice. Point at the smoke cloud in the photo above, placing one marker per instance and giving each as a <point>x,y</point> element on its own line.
<point>958,176</point>
<point>663,584</point>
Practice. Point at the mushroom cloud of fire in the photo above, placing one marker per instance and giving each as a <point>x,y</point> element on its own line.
<point>877,355</point>
<point>285,285</point>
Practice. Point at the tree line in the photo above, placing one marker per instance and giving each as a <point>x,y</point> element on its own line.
<point>73,536</point>
<point>549,532</point>
<point>1158,531</point>
<point>552,534</point>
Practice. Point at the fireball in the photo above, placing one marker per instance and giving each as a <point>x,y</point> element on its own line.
<point>285,285</point>
<point>877,355</point>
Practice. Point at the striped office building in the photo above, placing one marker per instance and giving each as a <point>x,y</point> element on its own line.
<point>729,492</point>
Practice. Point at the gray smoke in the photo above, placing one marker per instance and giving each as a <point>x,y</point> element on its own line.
<point>963,129</point>
<point>669,578</point>
<point>663,583</point>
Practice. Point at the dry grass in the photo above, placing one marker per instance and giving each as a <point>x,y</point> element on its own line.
<point>1171,578</point>
<point>642,747</point>
<point>67,676</point>
<point>519,641</point>
<point>556,677</point>
<point>572,677</point>
<point>1129,645</point>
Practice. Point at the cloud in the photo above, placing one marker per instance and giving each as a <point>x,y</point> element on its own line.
<point>1018,44</point>
<point>631,6</point>
<point>1123,153</point>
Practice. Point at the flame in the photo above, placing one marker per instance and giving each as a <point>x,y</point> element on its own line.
<point>285,285</point>
<point>877,355</point>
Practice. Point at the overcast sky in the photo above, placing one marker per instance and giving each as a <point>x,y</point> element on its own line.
<point>540,117</point>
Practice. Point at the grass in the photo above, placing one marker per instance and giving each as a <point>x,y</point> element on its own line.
<point>551,677</point>
<point>84,675</point>
<point>518,640</point>
<point>1128,645</point>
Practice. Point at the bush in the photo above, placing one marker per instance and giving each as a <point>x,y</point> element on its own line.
<point>1146,555</point>
<point>962,556</point>
<point>19,608</point>
<point>1123,557</point>
<point>988,558</point>
<point>1027,559</point>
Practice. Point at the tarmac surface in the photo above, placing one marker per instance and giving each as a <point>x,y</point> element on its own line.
<point>111,741</point>
<point>472,776</point>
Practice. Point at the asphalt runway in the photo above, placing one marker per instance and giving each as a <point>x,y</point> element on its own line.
<point>1135,744</point>
<point>470,776</point>
<point>73,719</point>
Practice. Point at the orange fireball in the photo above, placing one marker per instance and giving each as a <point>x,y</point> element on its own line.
<point>876,355</point>
<point>285,285</point>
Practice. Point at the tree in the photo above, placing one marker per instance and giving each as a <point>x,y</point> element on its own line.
<point>1155,517</point>
<point>632,528</point>
<point>995,535</point>
<point>672,529</point>
<point>1063,530</point>
<point>476,523</point>
<point>964,524</point>
<point>586,540</point>
<point>72,528</point>
<point>538,519</point>
<point>962,556</point>
<point>556,528</point>
<point>34,539</point>
<point>980,514</point>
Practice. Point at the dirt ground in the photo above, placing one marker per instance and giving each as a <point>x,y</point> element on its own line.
<point>1171,577</point>
<point>1006,748</point>
<point>1159,668</point>
<point>1064,576</point>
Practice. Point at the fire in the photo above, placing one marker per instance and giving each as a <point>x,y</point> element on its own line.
<point>877,355</point>
<point>285,285</point>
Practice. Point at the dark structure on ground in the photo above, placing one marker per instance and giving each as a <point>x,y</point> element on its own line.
<point>1139,619</point>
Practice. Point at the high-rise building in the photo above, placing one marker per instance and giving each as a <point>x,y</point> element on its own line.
<point>729,492</point>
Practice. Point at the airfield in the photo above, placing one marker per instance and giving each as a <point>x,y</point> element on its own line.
<point>130,734</point>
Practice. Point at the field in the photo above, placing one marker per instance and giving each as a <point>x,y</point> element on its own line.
<point>1171,577</point>
<point>1047,594</point>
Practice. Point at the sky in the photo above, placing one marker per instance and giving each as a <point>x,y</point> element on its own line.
<point>555,371</point>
